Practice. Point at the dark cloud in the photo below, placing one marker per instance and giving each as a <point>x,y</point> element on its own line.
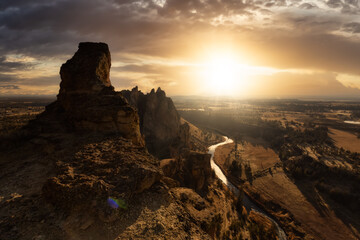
<point>276,3</point>
<point>51,28</point>
<point>354,3</point>
<point>334,3</point>
<point>308,6</point>
<point>349,9</point>
<point>353,27</point>
<point>55,27</point>
<point>5,78</point>
<point>8,87</point>
<point>202,9</point>
<point>29,81</point>
<point>8,66</point>
<point>5,4</point>
<point>303,24</point>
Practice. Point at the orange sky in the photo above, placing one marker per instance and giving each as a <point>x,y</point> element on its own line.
<point>282,48</point>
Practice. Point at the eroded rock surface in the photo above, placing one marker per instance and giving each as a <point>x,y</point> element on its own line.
<point>87,101</point>
<point>88,71</point>
<point>159,120</point>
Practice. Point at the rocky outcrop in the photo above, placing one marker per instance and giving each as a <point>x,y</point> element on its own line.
<point>197,170</point>
<point>159,120</point>
<point>198,139</point>
<point>87,101</point>
<point>88,71</point>
<point>192,171</point>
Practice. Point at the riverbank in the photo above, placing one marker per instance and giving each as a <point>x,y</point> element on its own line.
<point>290,203</point>
<point>248,204</point>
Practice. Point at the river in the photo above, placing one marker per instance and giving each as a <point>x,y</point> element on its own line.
<point>352,122</point>
<point>248,204</point>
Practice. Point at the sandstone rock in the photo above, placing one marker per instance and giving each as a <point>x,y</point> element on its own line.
<point>88,71</point>
<point>197,170</point>
<point>97,170</point>
<point>264,222</point>
<point>181,145</point>
<point>192,170</point>
<point>198,139</point>
<point>87,101</point>
<point>169,167</point>
<point>170,182</point>
<point>159,120</point>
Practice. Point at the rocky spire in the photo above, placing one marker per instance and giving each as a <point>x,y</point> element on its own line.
<point>159,120</point>
<point>88,71</point>
<point>87,102</point>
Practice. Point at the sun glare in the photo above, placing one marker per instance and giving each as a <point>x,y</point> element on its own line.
<point>223,74</point>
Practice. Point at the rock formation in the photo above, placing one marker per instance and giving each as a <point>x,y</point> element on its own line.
<point>197,170</point>
<point>88,71</point>
<point>192,171</point>
<point>83,171</point>
<point>87,101</point>
<point>159,120</point>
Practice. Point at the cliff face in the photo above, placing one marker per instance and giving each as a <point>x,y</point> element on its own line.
<point>159,120</point>
<point>192,171</point>
<point>87,101</point>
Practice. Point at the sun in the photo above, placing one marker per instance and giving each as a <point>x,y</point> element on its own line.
<point>222,74</point>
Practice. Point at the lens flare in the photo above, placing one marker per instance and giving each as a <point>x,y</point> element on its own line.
<point>116,203</point>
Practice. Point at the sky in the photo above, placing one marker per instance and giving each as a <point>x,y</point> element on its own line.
<point>249,49</point>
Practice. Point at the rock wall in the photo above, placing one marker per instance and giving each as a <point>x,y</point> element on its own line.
<point>159,120</point>
<point>192,171</point>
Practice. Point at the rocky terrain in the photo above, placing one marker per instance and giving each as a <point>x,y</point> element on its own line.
<point>88,167</point>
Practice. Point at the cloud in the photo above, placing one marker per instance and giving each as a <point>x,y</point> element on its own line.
<point>172,78</point>
<point>334,3</point>
<point>282,34</point>
<point>12,87</point>
<point>300,84</point>
<point>10,66</point>
<point>5,4</point>
<point>307,6</point>
<point>318,51</point>
<point>197,9</point>
<point>353,27</point>
<point>55,27</point>
<point>5,78</point>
